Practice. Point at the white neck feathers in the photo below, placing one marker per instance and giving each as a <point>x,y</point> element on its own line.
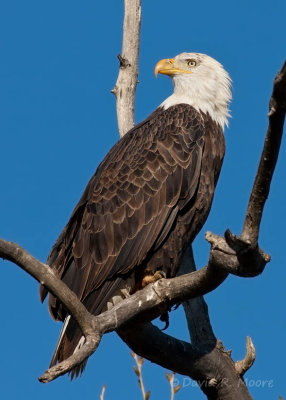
<point>219,114</point>
<point>207,89</point>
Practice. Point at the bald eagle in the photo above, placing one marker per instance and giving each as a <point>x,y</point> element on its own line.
<point>148,199</point>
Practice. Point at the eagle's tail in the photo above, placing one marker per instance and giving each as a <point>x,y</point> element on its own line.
<point>70,341</point>
<point>71,338</point>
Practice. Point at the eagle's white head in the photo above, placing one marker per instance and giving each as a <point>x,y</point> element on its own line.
<point>200,81</point>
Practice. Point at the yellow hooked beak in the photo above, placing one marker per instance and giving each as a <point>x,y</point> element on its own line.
<point>167,67</point>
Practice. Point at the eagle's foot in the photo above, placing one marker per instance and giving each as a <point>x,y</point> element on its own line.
<point>150,277</point>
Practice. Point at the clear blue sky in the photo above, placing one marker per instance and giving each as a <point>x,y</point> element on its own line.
<point>58,65</point>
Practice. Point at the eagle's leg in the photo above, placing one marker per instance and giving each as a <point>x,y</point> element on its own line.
<point>151,277</point>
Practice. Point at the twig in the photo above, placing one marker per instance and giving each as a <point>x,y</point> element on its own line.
<point>101,396</point>
<point>174,389</point>
<point>138,371</point>
<point>125,86</point>
<point>244,365</point>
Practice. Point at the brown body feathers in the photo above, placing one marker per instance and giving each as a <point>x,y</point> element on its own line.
<point>146,202</point>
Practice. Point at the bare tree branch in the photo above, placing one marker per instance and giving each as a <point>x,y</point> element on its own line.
<point>144,305</point>
<point>196,310</point>
<point>125,86</point>
<point>260,191</point>
<point>235,255</point>
<point>210,365</point>
<point>45,275</point>
<point>245,247</point>
<point>244,365</point>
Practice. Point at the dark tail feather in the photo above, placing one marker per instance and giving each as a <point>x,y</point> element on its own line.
<point>70,340</point>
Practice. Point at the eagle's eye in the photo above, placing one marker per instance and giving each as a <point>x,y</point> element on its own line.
<point>191,63</point>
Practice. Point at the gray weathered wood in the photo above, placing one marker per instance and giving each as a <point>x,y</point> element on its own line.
<point>269,156</point>
<point>125,86</point>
